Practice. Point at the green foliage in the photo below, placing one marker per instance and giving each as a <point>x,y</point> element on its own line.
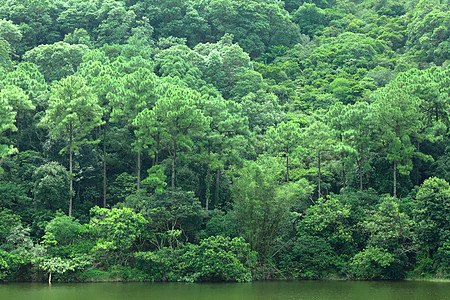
<point>284,140</point>
<point>400,119</point>
<point>311,257</point>
<point>14,196</point>
<point>123,186</point>
<point>13,266</point>
<point>65,237</point>
<point>390,240</point>
<point>222,224</point>
<point>50,189</point>
<point>115,232</point>
<point>10,33</point>
<point>8,221</point>
<point>220,259</point>
<point>428,36</point>
<point>310,18</point>
<point>174,217</point>
<point>216,258</point>
<point>156,179</point>
<point>56,61</point>
<point>328,218</point>
<point>73,111</point>
<point>244,116</point>
<point>431,213</point>
<point>371,263</point>
<point>7,117</point>
<point>257,209</point>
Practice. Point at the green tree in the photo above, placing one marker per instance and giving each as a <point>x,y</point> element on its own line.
<point>57,60</point>
<point>9,220</point>
<point>20,103</point>
<point>400,119</point>
<point>356,126</point>
<point>390,239</point>
<point>330,219</point>
<point>72,114</point>
<point>220,258</point>
<point>65,237</point>
<point>104,78</point>
<point>56,265</point>
<point>284,140</point>
<point>255,24</point>
<point>432,214</point>
<point>7,118</point>
<point>432,87</point>
<point>138,89</point>
<point>50,187</point>
<point>174,218</point>
<point>10,33</point>
<point>115,231</point>
<point>318,138</point>
<point>177,118</point>
<point>115,23</point>
<point>257,209</point>
<point>226,135</point>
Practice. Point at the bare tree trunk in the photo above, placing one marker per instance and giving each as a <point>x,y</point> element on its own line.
<point>138,169</point>
<point>104,164</point>
<point>50,277</point>
<point>97,133</point>
<point>70,171</point>
<point>318,177</point>
<point>18,138</point>
<point>174,157</point>
<point>287,168</point>
<point>216,192</point>
<point>208,189</point>
<point>360,166</point>
<point>395,179</point>
<point>344,175</point>
<point>157,151</point>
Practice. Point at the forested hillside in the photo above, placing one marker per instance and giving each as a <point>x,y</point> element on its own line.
<point>224,140</point>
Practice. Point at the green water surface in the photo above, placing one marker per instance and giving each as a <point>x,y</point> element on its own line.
<point>404,290</point>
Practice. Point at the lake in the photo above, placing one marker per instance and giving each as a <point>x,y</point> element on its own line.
<point>304,290</point>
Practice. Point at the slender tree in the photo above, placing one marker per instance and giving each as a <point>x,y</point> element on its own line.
<point>399,116</point>
<point>177,118</point>
<point>7,117</point>
<point>284,140</point>
<point>135,94</point>
<point>20,103</point>
<point>318,139</point>
<point>72,114</point>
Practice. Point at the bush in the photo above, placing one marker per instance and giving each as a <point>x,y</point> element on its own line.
<point>216,258</point>
<point>219,258</point>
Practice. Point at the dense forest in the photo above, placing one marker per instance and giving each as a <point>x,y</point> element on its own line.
<point>224,140</point>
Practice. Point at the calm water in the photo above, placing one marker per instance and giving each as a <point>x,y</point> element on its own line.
<point>259,290</point>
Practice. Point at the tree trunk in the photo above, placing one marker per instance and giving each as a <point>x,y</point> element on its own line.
<point>70,171</point>
<point>50,277</point>
<point>208,188</point>
<point>287,167</point>
<point>174,157</point>
<point>157,151</point>
<point>18,138</point>
<point>104,164</point>
<point>344,175</point>
<point>395,179</point>
<point>360,167</point>
<point>344,179</point>
<point>216,191</point>
<point>97,133</point>
<point>318,177</point>
<point>138,169</point>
